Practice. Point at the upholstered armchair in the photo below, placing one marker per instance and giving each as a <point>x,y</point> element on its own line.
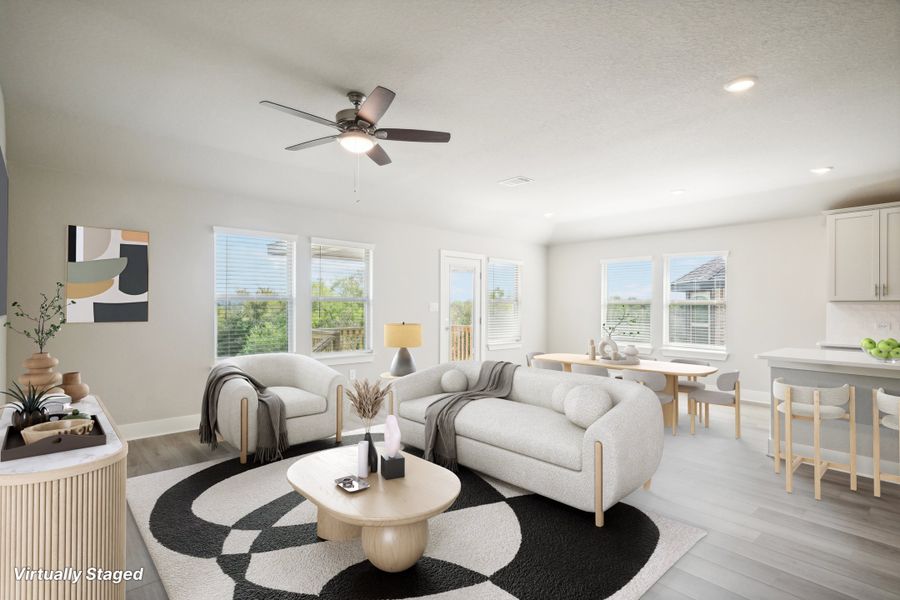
<point>312,393</point>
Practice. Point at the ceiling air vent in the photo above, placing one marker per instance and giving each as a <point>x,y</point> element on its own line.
<point>517,180</point>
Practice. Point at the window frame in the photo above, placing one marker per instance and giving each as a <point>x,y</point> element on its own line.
<point>645,347</point>
<point>508,344</point>
<point>671,348</point>
<point>351,356</point>
<point>292,300</point>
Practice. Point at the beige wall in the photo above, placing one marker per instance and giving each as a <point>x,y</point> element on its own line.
<point>776,288</point>
<point>3,331</point>
<point>156,370</point>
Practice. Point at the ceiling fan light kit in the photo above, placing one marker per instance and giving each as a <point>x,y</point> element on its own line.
<point>358,126</point>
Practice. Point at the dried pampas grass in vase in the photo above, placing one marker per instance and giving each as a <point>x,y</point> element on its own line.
<point>366,399</point>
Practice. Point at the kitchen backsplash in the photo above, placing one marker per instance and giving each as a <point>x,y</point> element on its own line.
<point>849,322</point>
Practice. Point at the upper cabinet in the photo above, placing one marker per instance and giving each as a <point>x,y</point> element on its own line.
<point>864,254</point>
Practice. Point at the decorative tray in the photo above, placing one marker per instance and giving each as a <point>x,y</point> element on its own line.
<point>14,446</point>
<point>628,360</point>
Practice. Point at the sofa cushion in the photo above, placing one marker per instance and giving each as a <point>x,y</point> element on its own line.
<point>299,403</point>
<point>522,428</point>
<point>454,380</point>
<point>558,398</point>
<point>585,404</point>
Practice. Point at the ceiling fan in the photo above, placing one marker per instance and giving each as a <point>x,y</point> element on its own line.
<point>358,128</point>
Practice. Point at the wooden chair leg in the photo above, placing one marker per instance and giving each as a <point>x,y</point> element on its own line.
<point>647,484</point>
<point>852,438</point>
<point>598,484</point>
<point>244,426</point>
<point>675,415</point>
<point>817,447</point>
<point>776,429</point>
<point>876,444</point>
<point>788,444</point>
<point>706,416</point>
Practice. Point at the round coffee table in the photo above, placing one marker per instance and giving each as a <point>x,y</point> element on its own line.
<point>391,516</point>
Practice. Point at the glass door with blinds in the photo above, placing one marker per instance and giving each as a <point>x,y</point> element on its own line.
<point>254,292</point>
<point>460,307</point>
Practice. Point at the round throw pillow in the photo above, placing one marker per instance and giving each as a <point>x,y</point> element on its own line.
<point>558,398</point>
<point>586,403</point>
<point>454,380</point>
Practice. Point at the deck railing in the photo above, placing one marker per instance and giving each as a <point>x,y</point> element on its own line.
<point>460,342</point>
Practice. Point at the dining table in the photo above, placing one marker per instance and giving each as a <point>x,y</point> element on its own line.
<point>672,371</point>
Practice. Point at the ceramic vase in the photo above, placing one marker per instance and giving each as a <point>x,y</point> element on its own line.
<point>630,350</point>
<point>373,455</point>
<point>72,386</point>
<point>39,373</point>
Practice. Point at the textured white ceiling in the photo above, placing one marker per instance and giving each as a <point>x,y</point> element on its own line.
<point>608,106</point>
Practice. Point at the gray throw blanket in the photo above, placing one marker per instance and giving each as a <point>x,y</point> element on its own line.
<point>494,381</point>
<point>271,435</point>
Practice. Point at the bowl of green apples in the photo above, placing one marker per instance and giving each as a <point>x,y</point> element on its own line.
<point>887,350</point>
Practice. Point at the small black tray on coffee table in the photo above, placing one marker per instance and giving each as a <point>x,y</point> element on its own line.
<point>14,446</point>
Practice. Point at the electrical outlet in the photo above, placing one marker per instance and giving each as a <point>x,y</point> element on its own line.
<point>352,374</point>
<point>883,325</point>
<point>434,307</point>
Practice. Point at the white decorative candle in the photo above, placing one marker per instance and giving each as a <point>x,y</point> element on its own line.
<point>362,462</point>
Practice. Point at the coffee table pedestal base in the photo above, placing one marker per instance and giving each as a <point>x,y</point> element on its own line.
<point>395,548</point>
<point>331,529</point>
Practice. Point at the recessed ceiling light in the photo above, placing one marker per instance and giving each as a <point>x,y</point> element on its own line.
<point>741,84</point>
<point>679,192</point>
<point>549,215</point>
<point>517,180</point>
<point>821,170</point>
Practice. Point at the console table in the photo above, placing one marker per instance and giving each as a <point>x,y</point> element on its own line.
<point>64,510</point>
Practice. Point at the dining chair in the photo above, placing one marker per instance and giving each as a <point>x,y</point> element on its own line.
<point>727,394</point>
<point>693,384</point>
<point>890,405</point>
<point>814,404</point>
<point>657,383</point>
<point>529,357</point>
<point>590,370</point>
<point>537,363</point>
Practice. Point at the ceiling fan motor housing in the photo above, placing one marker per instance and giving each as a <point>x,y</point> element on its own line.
<point>346,117</point>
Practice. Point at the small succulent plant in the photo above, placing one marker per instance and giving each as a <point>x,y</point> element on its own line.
<point>30,405</point>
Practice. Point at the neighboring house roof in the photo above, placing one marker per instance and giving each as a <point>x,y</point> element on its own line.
<point>708,276</point>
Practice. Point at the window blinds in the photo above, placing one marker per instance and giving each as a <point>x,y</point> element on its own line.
<point>695,306</point>
<point>504,324</point>
<point>628,298</point>
<point>254,292</point>
<point>341,297</point>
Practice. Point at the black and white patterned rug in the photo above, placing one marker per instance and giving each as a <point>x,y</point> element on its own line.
<point>225,530</point>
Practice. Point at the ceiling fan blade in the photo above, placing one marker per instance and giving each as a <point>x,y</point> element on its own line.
<point>378,154</point>
<point>412,135</point>
<point>311,143</point>
<point>376,105</point>
<point>299,113</point>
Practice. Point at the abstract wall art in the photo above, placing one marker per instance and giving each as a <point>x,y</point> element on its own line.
<point>107,275</point>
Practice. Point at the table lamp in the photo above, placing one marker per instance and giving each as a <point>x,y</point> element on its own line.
<point>402,335</point>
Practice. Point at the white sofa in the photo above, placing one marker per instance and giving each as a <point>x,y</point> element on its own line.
<point>522,440</point>
<point>312,394</point>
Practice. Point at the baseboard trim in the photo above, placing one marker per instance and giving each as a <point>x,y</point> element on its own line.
<point>756,397</point>
<point>145,429</point>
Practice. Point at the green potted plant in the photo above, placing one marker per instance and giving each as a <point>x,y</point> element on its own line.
<point>30,407</point>
<point>40,329</point>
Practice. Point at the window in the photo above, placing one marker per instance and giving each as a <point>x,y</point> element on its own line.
<point>504,324</point>
<point>695,300</point>
<point>627,300</point>
<point>254,292</point>
<point>341,274</point>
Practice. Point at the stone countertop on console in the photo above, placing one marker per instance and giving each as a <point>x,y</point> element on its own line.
<point>831,359</point>
<point>70,458</point>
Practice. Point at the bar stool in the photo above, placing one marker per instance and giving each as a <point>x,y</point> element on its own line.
<point>812,404</point>
<point>657,383</point>
<point>890,405</point>
<point>692,384</point>
<point>728,394</point>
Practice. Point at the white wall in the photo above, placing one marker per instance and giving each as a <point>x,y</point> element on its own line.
<point>850,322</point>
<point>156,370</point>
<point>776,288</point>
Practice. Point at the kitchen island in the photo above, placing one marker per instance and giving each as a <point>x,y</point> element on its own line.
<point>833,368</point>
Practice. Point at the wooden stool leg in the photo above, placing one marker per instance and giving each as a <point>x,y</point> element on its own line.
<point>776,429</point>
<point>853,438</point>
<point>817,447</point>
<point>706,419</point>
<point>876,444</point>
<point>788,444</point>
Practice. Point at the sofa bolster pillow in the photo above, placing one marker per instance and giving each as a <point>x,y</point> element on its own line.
<point>584,404</point>
<point>454,380</point>
<point>558,398</point>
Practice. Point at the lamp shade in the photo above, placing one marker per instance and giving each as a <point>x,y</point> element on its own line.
<point>402,335</point>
